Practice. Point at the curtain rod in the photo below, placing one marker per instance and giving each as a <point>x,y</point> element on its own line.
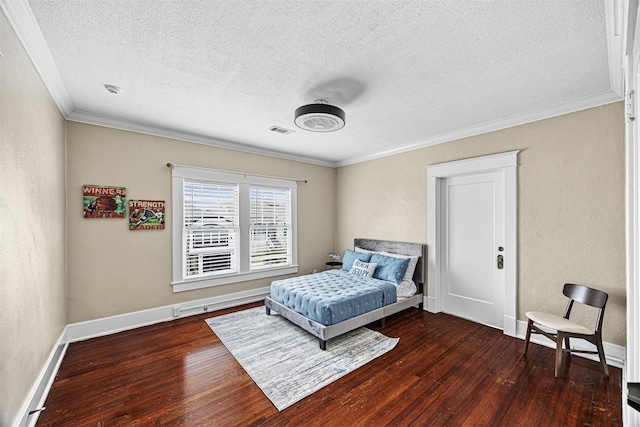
<point>304,181</point>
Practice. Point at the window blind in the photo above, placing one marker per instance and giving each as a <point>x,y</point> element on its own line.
<point>270,226</point>
<point>210,228</point>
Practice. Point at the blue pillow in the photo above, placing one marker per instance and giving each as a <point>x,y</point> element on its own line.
<point>350,256</point>
<point>389,269</point>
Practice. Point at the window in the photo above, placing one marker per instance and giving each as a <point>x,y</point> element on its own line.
<point>230,227</point>
<point>210,228</point>
<point>270,226</point>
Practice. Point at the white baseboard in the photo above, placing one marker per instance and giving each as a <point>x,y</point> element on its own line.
<point>510,325</point>
<point>615,354</point>
<point>40,389</point>
<point>101,327</point>
<point>430,304</point>
<point>110,325</point>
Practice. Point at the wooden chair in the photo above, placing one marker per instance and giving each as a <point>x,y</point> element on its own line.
<point>565,328</point>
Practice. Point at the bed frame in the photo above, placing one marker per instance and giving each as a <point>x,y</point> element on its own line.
<point>324,332</point>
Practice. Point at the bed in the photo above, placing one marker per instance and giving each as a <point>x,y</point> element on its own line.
<point>331,303</point>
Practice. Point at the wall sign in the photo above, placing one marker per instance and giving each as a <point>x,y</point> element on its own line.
<point>146,215</point>
<point>104,202</point>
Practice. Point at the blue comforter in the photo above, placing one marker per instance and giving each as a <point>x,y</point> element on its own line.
<point>332,296</point>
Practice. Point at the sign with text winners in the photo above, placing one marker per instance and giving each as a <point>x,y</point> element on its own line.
<point>104,202</point>
<point>146,215</point>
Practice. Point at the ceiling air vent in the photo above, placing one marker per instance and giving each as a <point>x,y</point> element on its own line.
<point>278,129</point>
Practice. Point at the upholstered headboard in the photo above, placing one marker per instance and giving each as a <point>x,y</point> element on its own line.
<point>401,248</point>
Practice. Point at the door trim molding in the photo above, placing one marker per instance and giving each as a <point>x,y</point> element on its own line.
<point>505,163</point>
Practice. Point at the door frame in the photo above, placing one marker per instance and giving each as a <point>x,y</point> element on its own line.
<point>505,163</point>
<point>631,369</point>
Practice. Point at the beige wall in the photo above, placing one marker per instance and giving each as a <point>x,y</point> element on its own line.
<point>32,225</point>
<point>570,204</point>
<point>113,270</point>
<point>570,223</point>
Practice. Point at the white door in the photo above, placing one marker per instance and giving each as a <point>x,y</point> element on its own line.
<point>472,272</point>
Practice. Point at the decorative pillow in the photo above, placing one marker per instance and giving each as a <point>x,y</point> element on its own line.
<point>364,269</point>
<point>350,256</point>
<point>389,269</point>
<point>411,267</point>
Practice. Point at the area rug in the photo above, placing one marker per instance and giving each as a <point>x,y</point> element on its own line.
<point>285,361</point>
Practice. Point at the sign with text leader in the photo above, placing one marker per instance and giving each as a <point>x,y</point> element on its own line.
<point>146,215</point>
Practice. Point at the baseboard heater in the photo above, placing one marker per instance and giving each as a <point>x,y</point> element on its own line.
<point>202,308</point>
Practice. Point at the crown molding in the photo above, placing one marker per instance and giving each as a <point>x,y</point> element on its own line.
<point>597,100</point>
<point>23,21</point>
<point>615,43</point>
<point>614,12</point>
<point>148,129</point>
<point>21,18</point>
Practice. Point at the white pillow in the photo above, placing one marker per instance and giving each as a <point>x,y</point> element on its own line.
<point>406,289</point>
<point>411,267</point>
<point>364,269</point>
<point>357,249</point>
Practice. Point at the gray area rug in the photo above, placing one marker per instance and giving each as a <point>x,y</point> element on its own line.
<point>286,361</point>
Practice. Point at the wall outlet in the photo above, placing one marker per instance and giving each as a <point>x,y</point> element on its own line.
<point>315,271</point>
<point>176,310</point>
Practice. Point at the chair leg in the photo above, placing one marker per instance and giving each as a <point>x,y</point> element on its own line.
<point>558,353</point>
<point>528,337</point>
<point>603,360</point>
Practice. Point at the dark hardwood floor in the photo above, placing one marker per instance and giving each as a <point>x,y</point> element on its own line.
<point>445,371</point>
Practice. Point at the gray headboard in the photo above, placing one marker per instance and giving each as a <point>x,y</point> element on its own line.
<point>401,248</point>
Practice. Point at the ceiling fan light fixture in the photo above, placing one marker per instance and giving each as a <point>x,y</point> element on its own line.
<point>319,117</point>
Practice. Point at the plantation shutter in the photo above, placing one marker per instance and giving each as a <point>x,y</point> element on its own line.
<point>270,227</point>
<point>210,229</point>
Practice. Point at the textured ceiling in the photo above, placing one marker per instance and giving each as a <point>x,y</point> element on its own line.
<point>407,73</point>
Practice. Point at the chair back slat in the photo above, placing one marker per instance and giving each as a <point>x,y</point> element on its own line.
<point>585,295</point>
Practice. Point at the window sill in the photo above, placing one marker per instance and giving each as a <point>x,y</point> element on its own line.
<point>189,285</point>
